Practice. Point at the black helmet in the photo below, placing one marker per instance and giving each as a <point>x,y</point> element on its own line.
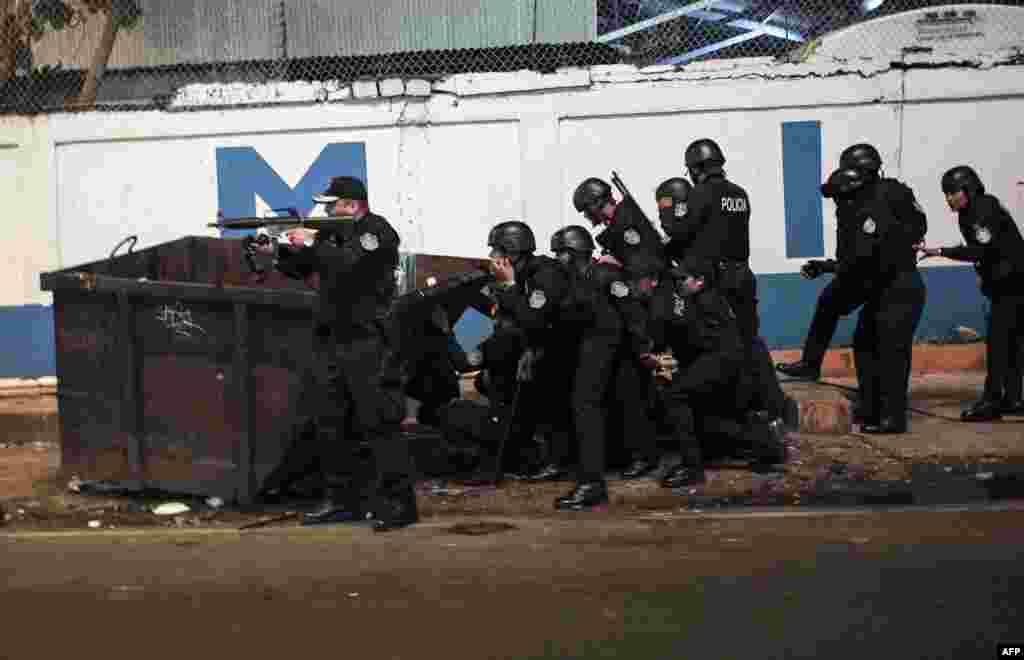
<point>862,156</point>
<point>703,157</point>
<point>677,188</point>
<point>844,182</point>
<point>512,237</point>
<point>963,178</point>
<point>591,195</point>
<point>573,238</point>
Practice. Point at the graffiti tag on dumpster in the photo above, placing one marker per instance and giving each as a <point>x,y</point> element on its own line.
<point>178,320</point>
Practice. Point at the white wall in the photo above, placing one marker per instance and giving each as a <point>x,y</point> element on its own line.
<point>27,197</point>
<point>445,167</point>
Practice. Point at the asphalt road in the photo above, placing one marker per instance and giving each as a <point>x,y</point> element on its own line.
<point>879,585</point>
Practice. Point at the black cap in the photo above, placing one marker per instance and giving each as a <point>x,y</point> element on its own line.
<point>342,187</point>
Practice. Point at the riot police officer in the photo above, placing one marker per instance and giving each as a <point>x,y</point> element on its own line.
<point>672,197</point>
<point>529,292</point>
<point>630,238</point>
<point>713,237</point>
<point>698,324</point>
<point>627,236</point>
<point>882,255</point>
<point>593,330</point>
<point>995,246</point>
<point>842,296</point>
<point>356,380</point>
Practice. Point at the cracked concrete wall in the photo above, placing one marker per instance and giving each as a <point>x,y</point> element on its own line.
<point>447,159</point>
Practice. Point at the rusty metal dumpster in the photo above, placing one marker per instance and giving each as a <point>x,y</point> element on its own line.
<point>179,370</point>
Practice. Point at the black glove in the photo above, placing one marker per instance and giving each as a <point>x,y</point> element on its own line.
<point>815,267</point>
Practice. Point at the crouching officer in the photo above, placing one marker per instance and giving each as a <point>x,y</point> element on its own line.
<point>995,246</point>
<point>356,380</point>
<point>699,325</point>
<point>529,291</point>
<point>883,257</point>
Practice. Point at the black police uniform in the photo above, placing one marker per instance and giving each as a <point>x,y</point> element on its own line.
<point>994,245</point>
<point>714,239</point>
<point>706,340</point>
<point>843,295</point>
<point>590,316</point>
<point>526,312</point>
<point>634,242</point>
<point>884,258</point>
<point>356,389</point>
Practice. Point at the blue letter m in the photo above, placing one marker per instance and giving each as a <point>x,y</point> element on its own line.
<point>242,174</point>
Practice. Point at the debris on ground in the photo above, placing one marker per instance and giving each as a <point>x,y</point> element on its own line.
<point>171,509</point>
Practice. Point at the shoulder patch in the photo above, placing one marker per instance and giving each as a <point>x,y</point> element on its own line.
<point>369,242</point>
<point>538,299</point>
<point>619,289</point>
<point>678,304</point>
<point>680,209</point>
<point>983,234</point>
<point>869,226</point>
<point>632,237</point>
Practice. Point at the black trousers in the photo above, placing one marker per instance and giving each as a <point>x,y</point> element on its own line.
<point>596,360</point>
<point>883,344</point>
<point>432,379</point>
<point>694,400</point>
<point>838,299</point>
<point>633,396</point>
<point>739,285</point>
<point>1004,345</point>
<point>352,398</point>
<point>358,399</point>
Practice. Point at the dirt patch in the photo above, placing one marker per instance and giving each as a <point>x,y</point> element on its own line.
<point>480,528</point>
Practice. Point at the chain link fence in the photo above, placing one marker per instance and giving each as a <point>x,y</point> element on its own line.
<point>67,55</point>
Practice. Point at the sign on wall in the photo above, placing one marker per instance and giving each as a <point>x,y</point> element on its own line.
<point>243,174</point>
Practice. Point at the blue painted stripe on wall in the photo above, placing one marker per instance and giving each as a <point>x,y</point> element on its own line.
<point>786,306</point>
<point>26,335</point>
<point>801,171</point>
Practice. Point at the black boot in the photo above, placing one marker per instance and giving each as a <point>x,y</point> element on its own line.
<point>551,472</point>
<point>640,467</point>
<point>791,414</point>
<point>583,497</point>
<point>683,475</point>
<point>338,507</point>
<point>800,370</point>
<point>984,410</point>
<point>768,443</point>
<point>1010,407</point>
<point>886,426</point>
<point>395,510</point>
